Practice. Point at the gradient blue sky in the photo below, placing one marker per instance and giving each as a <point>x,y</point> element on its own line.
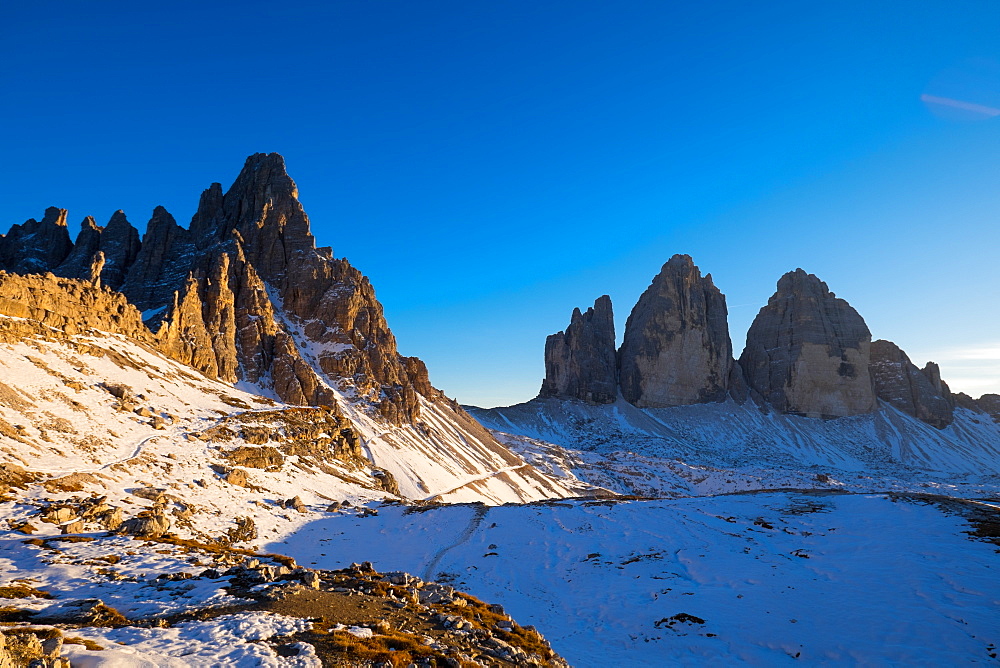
<point>491,165</point>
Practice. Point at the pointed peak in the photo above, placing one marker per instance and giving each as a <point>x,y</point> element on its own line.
<point>800,281</point>
<point>678,265</point>
<point>89,223</point>
<point>264,170</point>
<point>160,217</point>
<point>118,218</point>
<point>55,216</point>
<point>269,160</point>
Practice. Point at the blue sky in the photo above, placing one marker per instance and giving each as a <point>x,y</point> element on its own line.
<point>490,166</point>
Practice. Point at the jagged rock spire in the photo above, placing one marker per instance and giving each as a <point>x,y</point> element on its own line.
<point>36,247</point>
<point>808,352</point>
<point>96,266</point>
<point>120,245</point>
<point>88,242</point>
<point>677,349</point>
<point>166,257</point>
<point>580,363</point>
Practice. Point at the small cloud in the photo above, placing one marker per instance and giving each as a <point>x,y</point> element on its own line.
<point>980,110</point>
<point>987,352</point>
<point>973,369</point>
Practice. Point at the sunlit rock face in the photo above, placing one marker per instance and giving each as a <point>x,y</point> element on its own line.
<point>900,383</point>
<point>808,352</point>
<point>581,362</point>
<point>677,349</point>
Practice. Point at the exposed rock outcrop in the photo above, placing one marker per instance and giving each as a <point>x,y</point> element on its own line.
<point>70,306</point>
<point>96,267</point>
<point>36,247</point>
<point>677,349</point>
<point>900,383</point>
<point>581,362</point>
<point>808,352</point>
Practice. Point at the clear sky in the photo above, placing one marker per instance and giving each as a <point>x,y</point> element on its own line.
<point>491,165</point>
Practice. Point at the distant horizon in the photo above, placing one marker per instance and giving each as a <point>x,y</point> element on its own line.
<point>491,167</point>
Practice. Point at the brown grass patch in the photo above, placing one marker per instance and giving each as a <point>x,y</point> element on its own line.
<point>23,591</point>
<point>88,644</point>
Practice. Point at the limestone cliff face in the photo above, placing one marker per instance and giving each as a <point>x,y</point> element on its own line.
<point>677,349</point>
<point>900,383</point>
<point>36,247</point>
<point>581,363</point>
<point>808,352</point>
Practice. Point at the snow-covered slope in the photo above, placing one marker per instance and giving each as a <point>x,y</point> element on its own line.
<point>59,416</point>
<point>762,579</point>
<point>711,448</point>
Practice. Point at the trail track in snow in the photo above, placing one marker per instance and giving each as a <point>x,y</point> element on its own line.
<point>135,453</point>
<point>479,478</point>
<point>479,514</point>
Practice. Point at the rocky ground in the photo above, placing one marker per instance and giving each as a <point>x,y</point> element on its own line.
<point>99,600</point>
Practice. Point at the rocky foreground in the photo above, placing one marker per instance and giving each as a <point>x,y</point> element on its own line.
<point>152,600</point>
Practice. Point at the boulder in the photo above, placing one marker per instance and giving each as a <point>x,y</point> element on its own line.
<point>145,525</point>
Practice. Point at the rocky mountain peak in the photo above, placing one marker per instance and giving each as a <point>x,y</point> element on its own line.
<point>676,350</point>
<point>55,216</point>
<point>162,264</point>
<point>580,362</point>
<point>808,351</point>
<point>36,247</point>
<point>88,242</point>
<point>207,225</point>
<point>900,383</point>
<point>120,245</point>
<point>242,293</point>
